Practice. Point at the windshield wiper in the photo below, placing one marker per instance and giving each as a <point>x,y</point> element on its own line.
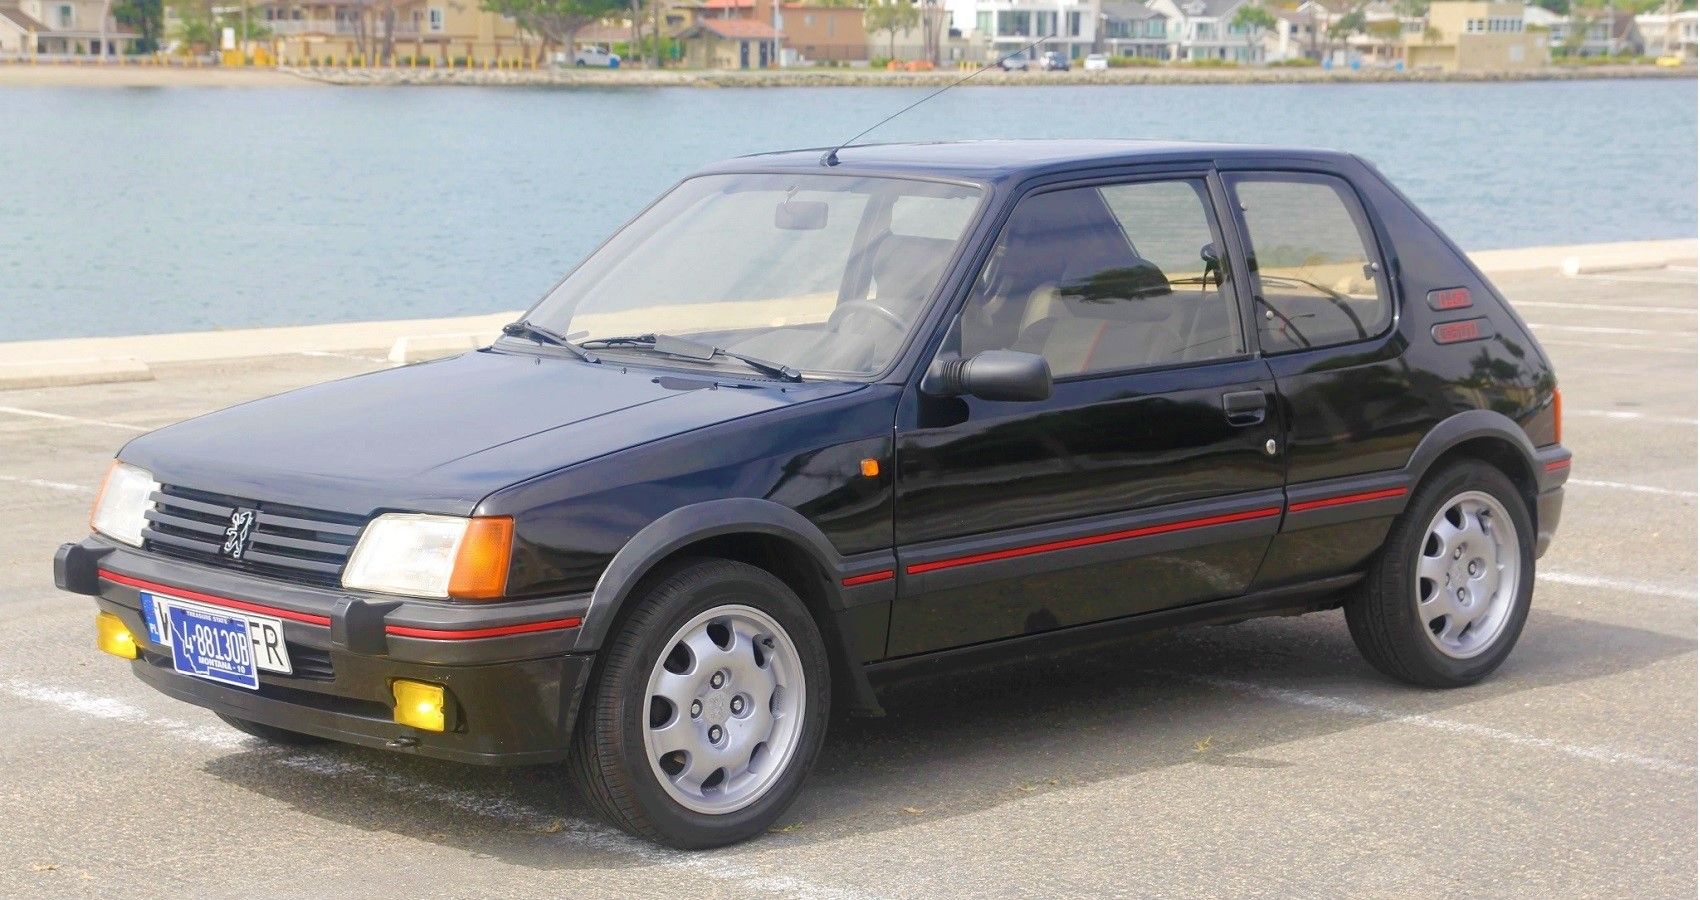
<point>542,335</point>
<point>689,349</point>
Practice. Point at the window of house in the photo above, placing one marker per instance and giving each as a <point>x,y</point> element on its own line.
<point>67,15</point>
<point>1074,24</point>
<point>1316,281</point>
<point>436,18</point>
<point>983,21</point>
<point>1107,278</point>
<point>1018,23</point>
<point>1047,24</point>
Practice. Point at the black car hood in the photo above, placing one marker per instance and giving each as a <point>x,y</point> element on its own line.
<point>440,436</point>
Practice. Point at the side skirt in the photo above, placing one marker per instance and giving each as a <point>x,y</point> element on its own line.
<point>1293,599</point>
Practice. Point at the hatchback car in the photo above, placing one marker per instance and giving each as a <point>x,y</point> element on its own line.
<point>1096,62</point>
<point>1014,63</point>
<point>1053,61</point>
<point>813,421</point>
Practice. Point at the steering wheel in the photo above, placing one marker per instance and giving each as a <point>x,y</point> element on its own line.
<point>865,307</point>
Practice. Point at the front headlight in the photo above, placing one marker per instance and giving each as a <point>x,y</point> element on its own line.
<point>420,555</point>
<point>120,510</point>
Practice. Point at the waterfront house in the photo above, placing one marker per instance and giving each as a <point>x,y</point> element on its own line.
<point>1605,31</point>
<point>61,28</point>
<point>1130,28</point>
<point>1476,36</point>
<point>1007,26</point>
<point>1670,35</point>
<point>808,31</point>
<point>1204,30</point>
<point>728,44</point>
<point>415,32</point>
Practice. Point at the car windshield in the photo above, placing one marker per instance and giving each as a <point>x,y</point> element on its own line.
<point>820,273</point>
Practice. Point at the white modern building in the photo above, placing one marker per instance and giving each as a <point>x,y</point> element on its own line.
<point>1670,35</point>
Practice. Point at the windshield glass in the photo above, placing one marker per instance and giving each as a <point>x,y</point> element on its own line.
<point>822,273</point>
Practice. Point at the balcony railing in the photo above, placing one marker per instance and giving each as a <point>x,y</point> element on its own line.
<point>291,27</point>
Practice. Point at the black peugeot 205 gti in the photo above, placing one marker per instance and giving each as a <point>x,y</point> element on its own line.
<point>810,422</point>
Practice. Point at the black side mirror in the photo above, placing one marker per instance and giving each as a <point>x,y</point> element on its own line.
<point>991,375</point>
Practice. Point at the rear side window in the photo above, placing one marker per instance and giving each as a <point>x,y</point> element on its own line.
<point>1316,281</point>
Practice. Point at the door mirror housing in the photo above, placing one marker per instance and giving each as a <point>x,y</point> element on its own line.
<point>991,375</point>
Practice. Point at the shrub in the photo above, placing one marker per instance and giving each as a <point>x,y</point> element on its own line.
<point>1300,62</point>
<point>1133,62</point>
<point>878,62</point>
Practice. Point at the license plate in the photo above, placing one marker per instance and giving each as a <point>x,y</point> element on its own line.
<point>226,645</point>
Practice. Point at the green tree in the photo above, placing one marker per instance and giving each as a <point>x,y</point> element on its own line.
<point>891,16</point>
<point>1343,28</point>
<point>554,22</point>
<point>147,17</point>
<point>1254,20</point>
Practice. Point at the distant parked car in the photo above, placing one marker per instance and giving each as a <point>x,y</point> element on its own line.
<point>596,58</point>
<point>1053,61</point>
<point>1015,64</point>
<point>1096,62</point>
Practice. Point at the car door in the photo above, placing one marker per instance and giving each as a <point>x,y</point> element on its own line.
<point>1147,480</point>
<point>1353,408</point>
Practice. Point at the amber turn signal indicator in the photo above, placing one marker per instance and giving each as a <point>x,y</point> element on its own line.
<point>870,468</point>
<point>481,565</point>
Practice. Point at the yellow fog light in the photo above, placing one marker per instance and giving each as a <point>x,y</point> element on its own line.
<point>113,637</point>
<point>420,705</point>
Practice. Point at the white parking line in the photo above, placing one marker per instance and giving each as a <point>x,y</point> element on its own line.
<point>1606,307</point>
<point>1625,486</point>
<point>75,420</point>
<point>722,867</point>
<point>50,485</point>
<point>331,355</point>
<point>1639,348</point>
<point>1601,329</point>
<point>1627,416</point>
<point>1631,279</point>
<point>1616,584</point>
<point>1344,706</point>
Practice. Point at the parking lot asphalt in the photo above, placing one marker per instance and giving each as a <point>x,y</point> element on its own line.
<point>1260,759</point>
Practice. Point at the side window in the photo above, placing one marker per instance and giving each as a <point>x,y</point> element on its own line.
<point>1106,278</point>
<point>1315,278</point>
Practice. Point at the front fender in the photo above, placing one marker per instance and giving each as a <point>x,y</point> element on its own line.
<point>745,515</point>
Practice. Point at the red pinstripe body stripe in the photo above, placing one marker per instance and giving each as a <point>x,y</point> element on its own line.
<point>1344,499</point>
<point>441,634</point>
<point>1093,539</point>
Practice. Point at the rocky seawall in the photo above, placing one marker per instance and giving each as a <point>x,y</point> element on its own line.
<point>811,77</point>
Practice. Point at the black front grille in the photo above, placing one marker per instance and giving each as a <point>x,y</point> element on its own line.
<point>286,542</point>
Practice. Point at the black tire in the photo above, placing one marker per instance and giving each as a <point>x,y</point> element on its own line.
<point>271,734</point>
<point>1382,614</point>
<point>608,764</point>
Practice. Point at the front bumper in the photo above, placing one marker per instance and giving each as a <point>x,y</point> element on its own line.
<point>515,685</point>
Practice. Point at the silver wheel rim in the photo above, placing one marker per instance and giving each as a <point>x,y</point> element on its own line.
<point>723,713</point>
<point>1468,573</point>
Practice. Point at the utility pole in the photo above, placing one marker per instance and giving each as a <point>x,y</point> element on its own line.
<point>105,10</point>
<point>778,23</point>
<point>655,12</point>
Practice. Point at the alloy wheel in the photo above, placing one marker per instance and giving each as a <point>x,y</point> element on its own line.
<point>724,709</point>
<point>1467,574</point>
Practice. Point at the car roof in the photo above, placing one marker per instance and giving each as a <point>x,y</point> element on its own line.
<point>999,160</point>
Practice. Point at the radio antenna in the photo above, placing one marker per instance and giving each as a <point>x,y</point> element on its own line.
<point>831,157</point>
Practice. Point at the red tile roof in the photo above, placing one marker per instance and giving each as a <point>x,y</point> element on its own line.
<point>739,28</point>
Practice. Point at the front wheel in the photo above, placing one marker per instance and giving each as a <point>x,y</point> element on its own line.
<point>708,710</point>
<point>1446,599</point>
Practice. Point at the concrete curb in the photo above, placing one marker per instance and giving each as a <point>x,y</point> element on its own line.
<point>417,348</point>
<point>1624,255</point>
<point>67,372</point>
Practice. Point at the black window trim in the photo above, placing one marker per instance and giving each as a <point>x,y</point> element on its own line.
<point>1368,225</point>
<point>1214,208</point>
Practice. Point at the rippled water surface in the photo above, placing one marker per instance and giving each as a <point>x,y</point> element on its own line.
<point>144,210</point>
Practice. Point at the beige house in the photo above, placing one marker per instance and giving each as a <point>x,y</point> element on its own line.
<point>421,32</point>
<point>61,28</point>
<point>1476,36</point>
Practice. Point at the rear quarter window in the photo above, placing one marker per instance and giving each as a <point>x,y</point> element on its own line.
<point>1316,277</point>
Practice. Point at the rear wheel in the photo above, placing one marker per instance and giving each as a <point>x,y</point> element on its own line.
<point>1446,599</point>
<point>709,708</point>
<point>271,734</point>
